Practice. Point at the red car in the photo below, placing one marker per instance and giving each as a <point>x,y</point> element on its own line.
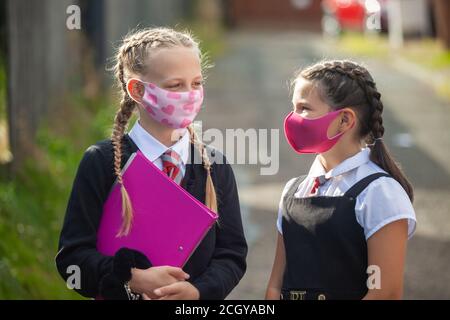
<point>358,15</point>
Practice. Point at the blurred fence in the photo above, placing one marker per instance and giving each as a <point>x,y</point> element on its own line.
<point>46,60</point>
<point>38,62</point>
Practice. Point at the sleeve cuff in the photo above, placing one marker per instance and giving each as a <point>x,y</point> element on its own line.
<point>411,225</point>
<point>112,284</point>
<point>206,291</point>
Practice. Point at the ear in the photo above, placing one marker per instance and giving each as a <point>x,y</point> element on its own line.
<point>135,89</point>
<point>348,119</point>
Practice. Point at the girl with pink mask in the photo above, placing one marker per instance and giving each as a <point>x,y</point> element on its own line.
<point>159,72</point>
<point>343,227</point>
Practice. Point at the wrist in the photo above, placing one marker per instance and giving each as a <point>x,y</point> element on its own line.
<point>113,284</point>
<point>132,295</point>
<point>135,280</point>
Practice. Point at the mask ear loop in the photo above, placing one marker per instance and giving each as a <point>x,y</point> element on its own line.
<point>341,133</point>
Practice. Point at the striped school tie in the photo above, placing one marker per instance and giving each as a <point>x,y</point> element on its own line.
<point>172,165</point>
<point>318,181</point>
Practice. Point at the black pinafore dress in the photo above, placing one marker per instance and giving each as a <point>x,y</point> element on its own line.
<point>326,250</point>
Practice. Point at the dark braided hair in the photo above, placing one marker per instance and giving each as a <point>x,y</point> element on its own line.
<point>342,84</point>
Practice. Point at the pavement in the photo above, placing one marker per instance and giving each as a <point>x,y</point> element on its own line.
<point>248,89</point>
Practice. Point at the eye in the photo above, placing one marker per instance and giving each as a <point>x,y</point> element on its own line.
<point>301,108</point>
<point>198,83</point>
<point>173,86</point>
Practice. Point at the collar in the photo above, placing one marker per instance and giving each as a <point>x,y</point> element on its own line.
<point>153,149</point>
<point>348,164</point>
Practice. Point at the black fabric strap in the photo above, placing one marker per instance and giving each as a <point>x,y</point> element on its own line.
<point>358,187</point>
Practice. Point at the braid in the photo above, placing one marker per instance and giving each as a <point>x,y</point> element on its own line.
<point>377,128</point>
<point>380,153</point>
<point>210,193</point>
<point>373,97</point>
<point>124,113</point>
<point>344,83</point>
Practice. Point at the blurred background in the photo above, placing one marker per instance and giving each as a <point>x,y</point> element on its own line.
<point>57,98</point>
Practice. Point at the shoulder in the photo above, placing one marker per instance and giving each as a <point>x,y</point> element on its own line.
<point>382,202</point>
<point>221,171</point>
<point>102,147</point>
<point>388,192</point>
<point>101,153</point>
<point>386,188</point>
<point>296,182</point>
<point>365,170</point>
<point>288,185</point>
<point>105,147</point>
<point>218,160</point>
<point>98,151</point>
<point>281,211</point>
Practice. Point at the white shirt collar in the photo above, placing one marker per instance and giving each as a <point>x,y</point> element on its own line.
<point>153,149</point>
<point>348,164</point>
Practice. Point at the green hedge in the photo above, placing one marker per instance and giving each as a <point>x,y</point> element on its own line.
<point>33,204</point>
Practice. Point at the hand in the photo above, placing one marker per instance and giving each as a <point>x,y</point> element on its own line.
<point>273,294</point>
<point>178,291</point>
<point>146,281</point>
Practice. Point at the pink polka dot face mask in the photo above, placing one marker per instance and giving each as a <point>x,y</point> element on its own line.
<point>171,108</point>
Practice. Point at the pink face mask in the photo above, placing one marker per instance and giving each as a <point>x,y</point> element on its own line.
<point>174,109</point>
<point>310,135</point>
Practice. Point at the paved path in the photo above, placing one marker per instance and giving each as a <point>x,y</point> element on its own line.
<point>248,89</point>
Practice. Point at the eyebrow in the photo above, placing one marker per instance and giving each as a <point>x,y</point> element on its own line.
<point>181,79</point>
<point>306,104</point>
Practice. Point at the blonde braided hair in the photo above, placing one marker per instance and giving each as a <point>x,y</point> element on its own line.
<point>210,192</point>
<point>131,59</point>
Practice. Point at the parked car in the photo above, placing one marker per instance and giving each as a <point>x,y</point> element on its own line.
<point>356,15</point>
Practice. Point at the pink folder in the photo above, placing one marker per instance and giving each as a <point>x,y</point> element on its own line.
<point>168,222</point>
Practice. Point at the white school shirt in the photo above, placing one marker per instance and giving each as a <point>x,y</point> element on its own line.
<point>383,201</point>
<point>153,149</point>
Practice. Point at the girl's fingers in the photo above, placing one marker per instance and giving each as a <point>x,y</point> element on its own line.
<point>170,289</point>
<point>146,297</point>
<point>171,297</point>
<point>178,273</point>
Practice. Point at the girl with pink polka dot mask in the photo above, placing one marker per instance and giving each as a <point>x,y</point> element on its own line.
<point>160,76</point>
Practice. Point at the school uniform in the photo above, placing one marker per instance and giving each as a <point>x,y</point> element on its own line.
<point>216,266</point>
<point>326,218</point>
